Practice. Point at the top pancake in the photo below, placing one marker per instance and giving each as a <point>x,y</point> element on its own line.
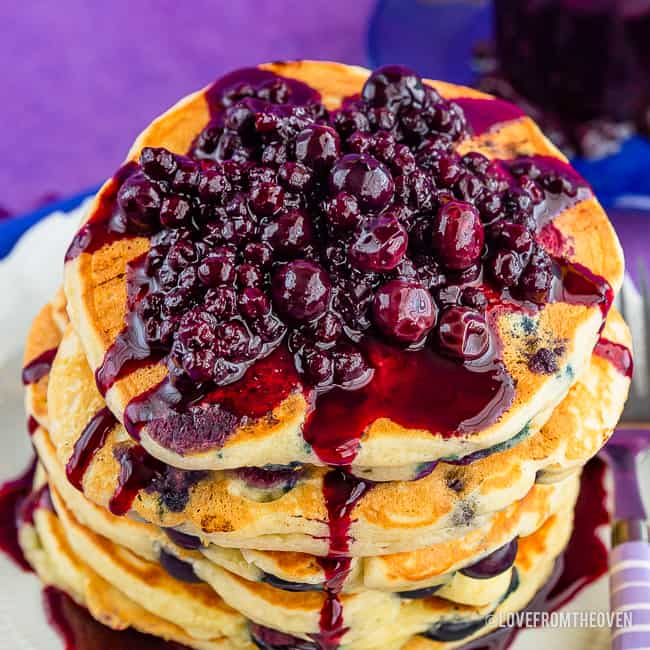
<point>95,285</point>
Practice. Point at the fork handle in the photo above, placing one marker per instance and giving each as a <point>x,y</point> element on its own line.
<point>630,595</point>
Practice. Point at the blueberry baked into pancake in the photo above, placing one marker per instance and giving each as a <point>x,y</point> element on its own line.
<point>333,349</point>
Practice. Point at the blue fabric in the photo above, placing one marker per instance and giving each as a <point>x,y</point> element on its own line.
<point>626,173</point>
<point>12,228</point>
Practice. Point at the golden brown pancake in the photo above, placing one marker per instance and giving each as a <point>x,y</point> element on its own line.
<point>174,515</point>
<point>96,291</point>
<point>392,573</point>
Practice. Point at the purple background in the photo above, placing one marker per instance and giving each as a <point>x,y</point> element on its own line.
<point>81,79</point>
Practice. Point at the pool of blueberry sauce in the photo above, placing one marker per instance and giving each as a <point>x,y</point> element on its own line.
<point>350,255</point>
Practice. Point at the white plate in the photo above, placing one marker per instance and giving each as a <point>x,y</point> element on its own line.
<point>28,278</point>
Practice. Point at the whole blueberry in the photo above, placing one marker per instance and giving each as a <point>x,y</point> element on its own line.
<point>404,311</point>
<point>493,564</point>
<point>505,267</point>
<point>290,232</point>
<point>458,235</point>
<point>215,269</point>
<point>379,244</point>
<point>301,290</point>
<point>393,87</point>
<point>343,211</point>
<point>175,212</point>
<point>318,146</point>
<point>365,178</point>
<point>140,201</point>
<point>267,199</point>
<point>157,163</point>
<point>350,366</point>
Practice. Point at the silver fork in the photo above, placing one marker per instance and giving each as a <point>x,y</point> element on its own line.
<point>630,555</point>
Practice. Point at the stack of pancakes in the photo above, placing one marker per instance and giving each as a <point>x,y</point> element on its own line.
<point>256,541</point>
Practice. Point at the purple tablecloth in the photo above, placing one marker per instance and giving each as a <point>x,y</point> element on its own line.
<point>80,79</point>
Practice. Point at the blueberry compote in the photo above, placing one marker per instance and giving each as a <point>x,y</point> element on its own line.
<point>351,253</point>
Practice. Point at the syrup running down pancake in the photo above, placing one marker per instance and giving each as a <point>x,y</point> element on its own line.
<point>286,507</point>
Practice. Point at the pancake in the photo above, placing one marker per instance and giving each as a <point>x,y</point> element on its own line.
<point>435,565</point>
<point>41,344</point>
<point>389,518</point>
<point>96,290</point>
<point>149,588</point>
<point>329,381</point>
<point>46,547</point>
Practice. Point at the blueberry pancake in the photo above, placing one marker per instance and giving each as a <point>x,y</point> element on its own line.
<point>435,566</point>
<point>332,350</point>
<point>350,269</point>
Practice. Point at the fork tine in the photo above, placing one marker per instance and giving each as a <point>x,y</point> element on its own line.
<point>624,308</point>
<point>623,303</point>
<point>644,287</point>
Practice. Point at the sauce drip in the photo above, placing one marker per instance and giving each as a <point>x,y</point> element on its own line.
<point>32,425</point>
<point>137,470</point>
<point>92,438</point>
<point>39,367</point>
<point>618,355</point>
<point>12,495</point>
<point>580,286</point>
<point>483,115</point>
<point>125,352</point>
<point>341,492</point>
<point>130,346</point>
<point>103,226</point>
<point>39,500</point>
